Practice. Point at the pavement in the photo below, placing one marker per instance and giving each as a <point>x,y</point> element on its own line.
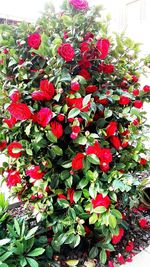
<point>140,260</point>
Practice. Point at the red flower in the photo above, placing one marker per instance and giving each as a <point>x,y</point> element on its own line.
<point>146,88</point>
<point>75,86</point>
<point>136,92</point>
<point>79,4</point>
<point>134,78</point>
<point>70,193</point>
<point>3,144</point>
<point>15,96</point>
<point>104,154</point>
<point>138,104</point>
<point>43,116</point>
<point>47,87</point>
<point>124,144</point>
<point>116,238</point>
<point>60,117</point>
<point>88,36</point>
<point>91,89</point>
<point>35,172</point>
<point>143,222</point>
<point>135,122</point>
<point>87,230</point>
<point>34,40</point>
<point>56,129</point>
<point>10,122</point>
<point>84,47</point>
<point>103,47</point>
<point>13,178</point>
<point>120,259</point>
<point>110,264</point>
<point>115,142</point>
<point>77,103</point>
<point>19,111</point>
<point>101,201</point>
<point>104,167</point>
<point>14,146</point>
<point>106,68</point>
<point>39,96</point>
<point>111,128</point>
<point>85,74</point>
<point>76,129</point>
<point>77,161</point>
<point>124,100</point>
<point>130,246</point>
<point>61,196</point>
<point>66,51</point>
<point>143,161</point>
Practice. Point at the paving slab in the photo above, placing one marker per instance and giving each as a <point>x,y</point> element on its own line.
<point>140,260</point>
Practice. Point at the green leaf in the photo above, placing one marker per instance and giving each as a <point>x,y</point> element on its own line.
<point>4,265</point>
<point>67,20</point>
<point>116,213</point>
<point>72,262</point>
<point>86,100</point>
<point>100,209</point>
<point>107,113</point>
<point>5,256</point>
<point>32,262</point>
<point>36,252</point>
<point>77,196</point>
<point>93,159</point>
<point>51,137</point>
<point>93,253</point>
<point>29,152</point>
<point>103,256</point>
<point>67,165</point>
<point>112,221</point>
<point>4,241</point>
<point>72,213</point>
<point>76,241</point>
<point>93,219</point>
<point>81,140</point>
<point>73,113</point>
<point>28,129</point>
<point>31,232</point>
<point>82,183</point>
<point>57,150</point>
<point>17,227</point>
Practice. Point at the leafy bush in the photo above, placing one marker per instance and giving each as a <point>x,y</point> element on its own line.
<point>71,123</point>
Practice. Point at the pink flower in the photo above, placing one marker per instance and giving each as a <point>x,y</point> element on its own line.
<point>120,259</point>
<point>79,4</point>
<point>110,264</point>
<point>35,172</point>
<point>43,116</point>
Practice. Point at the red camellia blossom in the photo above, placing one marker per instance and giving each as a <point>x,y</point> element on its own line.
<point>124,100</point>
<point>79,4</point>
<point>146,88</point>
<point>135,122</point>
<point>110,264</point>
<point>77,103</point>
<point>84,47</point>
<point>75,86</point>
<point>61,196</point>
<point>66,51</point>
<point>120,259</point>
<point>115,142</point>
<point>43,116</point>
<point>138,104</point>
<point>15,96</point>
<point>106,68</point>
<point>77,161</point>
<point>88,36</point>
<point>130,246</point>
<point>13,178</point>
<point>103,47</point>
<point>85,74</point>
<point>116,238</point>
<point>111,128</point>
<point>136,92</point>
<point>10,122</point>
<point>56,129</point>
<point>60,117</point>
<point>35,172</point>
<point>70,193</point>
<point>47,87</point>
<point>19,111</point>
<point>3,144</point>
<point>143,161</point>
<point>76,129</point>
<point>143,222</point>
<point>91,89</point>
<point>134,78</point>
<point>14,146</point>
<point>34,40</point>
<point>101,201</point>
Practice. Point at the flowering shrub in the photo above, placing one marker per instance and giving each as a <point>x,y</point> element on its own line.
<point>71,122</point>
